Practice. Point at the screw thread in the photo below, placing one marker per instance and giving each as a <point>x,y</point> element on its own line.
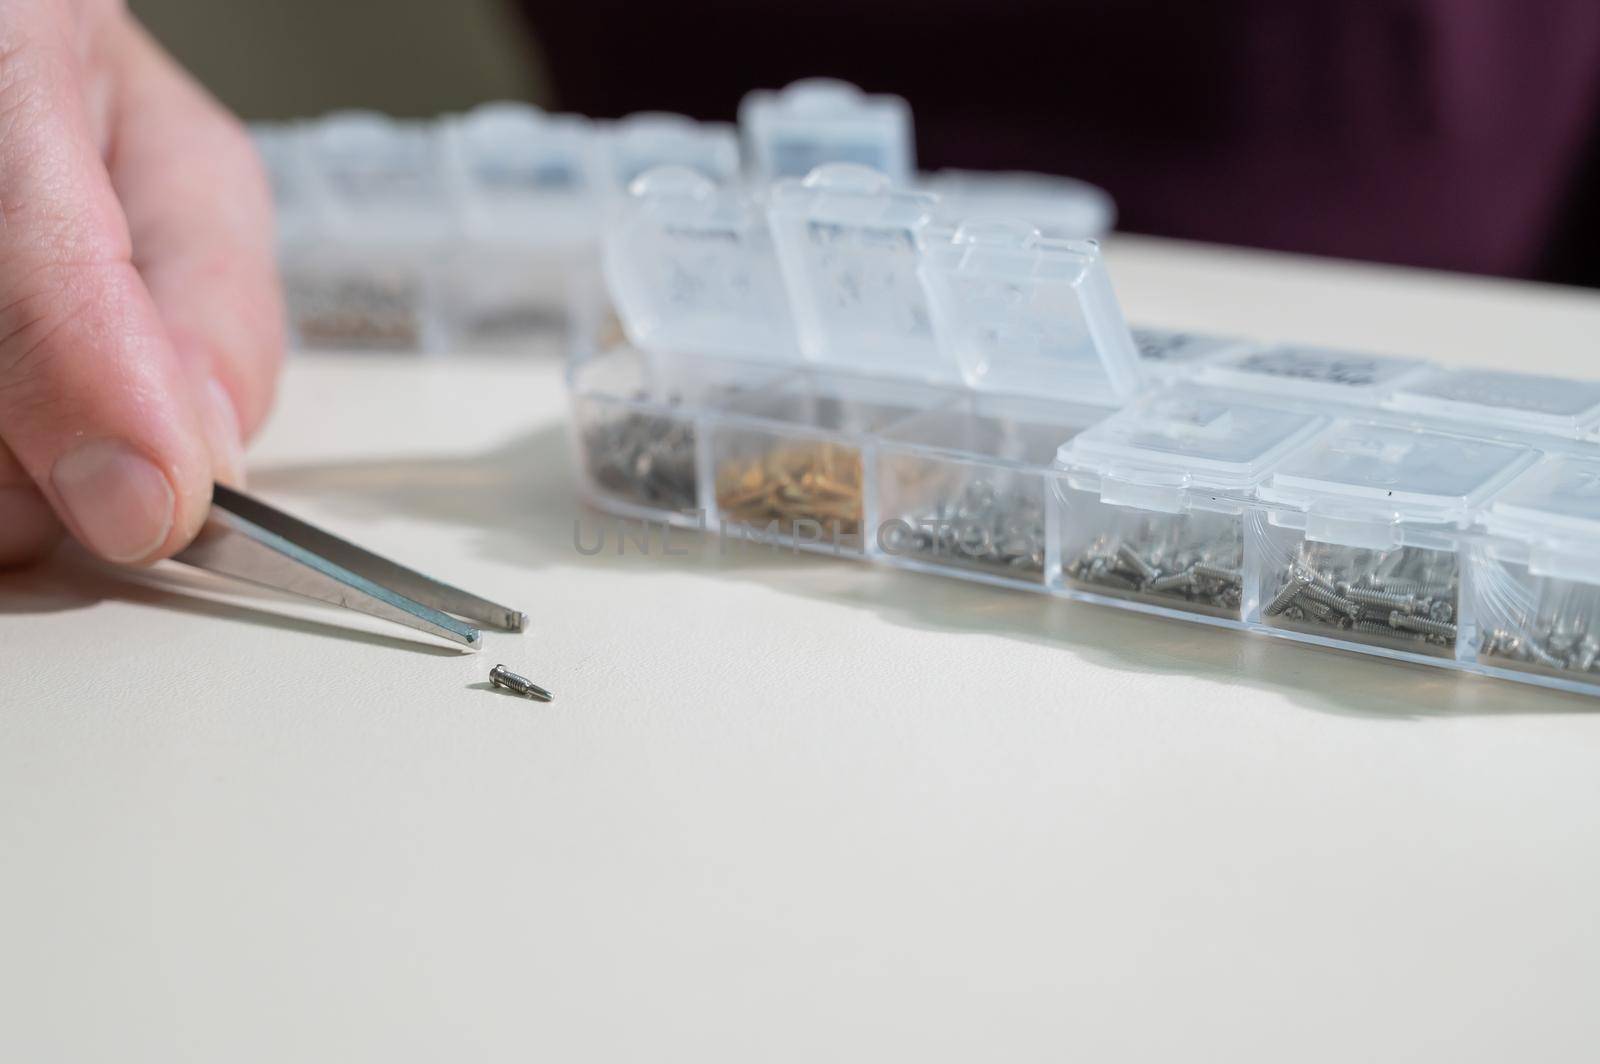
<point>1218,572</point>
<point>1424,625</point>
<point>1388,600</point>
<point>1286,595</point>
<point>1332,599</point>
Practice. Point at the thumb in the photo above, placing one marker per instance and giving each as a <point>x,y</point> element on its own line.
<point>94,403</point>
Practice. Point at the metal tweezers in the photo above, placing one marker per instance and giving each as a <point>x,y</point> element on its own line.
<point>247,539</point>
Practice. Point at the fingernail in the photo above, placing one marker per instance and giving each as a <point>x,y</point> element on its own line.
<point>120,503</point>
<point>224,435</point>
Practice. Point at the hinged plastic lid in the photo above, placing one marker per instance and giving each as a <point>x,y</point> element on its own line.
<point>383,179</point>
<point>1060,207</point>
<point>523,175</point>
<point>791,132</point>
<point>1189,440</point>
<point>1322,373</point>
<point>644,141</point>
<point>1365,471</point>
<point>516,148</point>
<point>365,159</point>
<point>692,270</point>
<point>1557,499</point>
<point>1519,401</point>
<point>849,245</point>
<point>1026,315</point>
<point>1552,512</point>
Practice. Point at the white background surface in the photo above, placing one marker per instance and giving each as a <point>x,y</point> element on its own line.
<point>783,809</point>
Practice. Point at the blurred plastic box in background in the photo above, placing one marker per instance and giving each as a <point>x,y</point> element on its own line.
<point>468,231</point>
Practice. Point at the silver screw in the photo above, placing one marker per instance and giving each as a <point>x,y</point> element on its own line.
<point>1132,559</point>
<point>1393,584</point>
<point>1539,654</point>
<point>1286,595</point>
<point>1384,600</point>
<point>1379,628</point>
<point>1331,599</point>
<point>501,676</point>
<point>1316,579</point>
<point>1583,658</point>
<point>1173,582</point>
<point>1425,625</point>
<point>1219,573</point>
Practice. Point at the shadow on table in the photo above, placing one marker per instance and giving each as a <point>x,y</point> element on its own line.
<point>520,501</point>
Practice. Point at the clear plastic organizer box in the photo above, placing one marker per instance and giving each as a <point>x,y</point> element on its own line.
<point>836,364</point>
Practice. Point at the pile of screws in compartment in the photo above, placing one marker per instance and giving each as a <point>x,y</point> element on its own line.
<point>1555,632</point>
<point>1560,649</point>
<point>817,482</point>
<point>356,311</point>
<point>983,526</point>
<point>1407,596</point>
<point>1207,575</point>
<point>1324,367</point>
<point>646,457</point>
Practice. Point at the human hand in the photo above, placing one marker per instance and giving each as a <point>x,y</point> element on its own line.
<point>140,316</point>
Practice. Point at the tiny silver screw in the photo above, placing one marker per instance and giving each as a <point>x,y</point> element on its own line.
<point>501,676</point>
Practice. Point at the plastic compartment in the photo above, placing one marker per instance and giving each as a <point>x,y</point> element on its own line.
<point>367,279</point>
<point>1153,500</point>
<point>636,438</point>
<point>385,179</point>
<point>628,147</point>
<point>790,462</point>
<point>966,488</point>
<point>1062,208</point>
<point>347,299</point>
<point>1315,374</point>
<point>523,175</point>
<point>849,245</point>
<point>1170,354</point>
<point>791,132</point>
<point>1363,534</point>
<point>494,296</point>
<point>1024,314</point>
<point>639,430</point>
<point>530,214</point>
<point>692,268</point>
<point>1536,580</point>
<point>1514,402</point>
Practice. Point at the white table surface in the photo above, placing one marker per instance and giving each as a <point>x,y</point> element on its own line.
<point>783,809</point>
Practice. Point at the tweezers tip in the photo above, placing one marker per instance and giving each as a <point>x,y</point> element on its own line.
<point>516,621</point>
